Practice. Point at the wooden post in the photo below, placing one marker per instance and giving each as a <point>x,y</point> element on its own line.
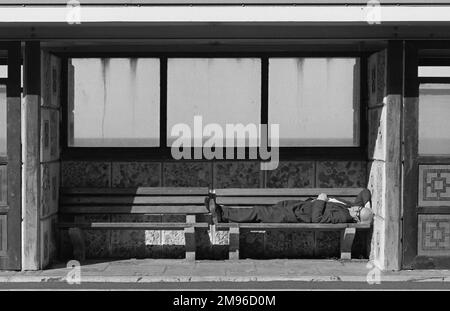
<point>11,217</point>
<point>347,237</point>
<point>31,156</point>
<point>394,85</point>
<point>234,243</point>
<point>410,154</point>
<point>189,236</point>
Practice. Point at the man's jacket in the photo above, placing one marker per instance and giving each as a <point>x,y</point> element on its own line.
<point>318,211</point>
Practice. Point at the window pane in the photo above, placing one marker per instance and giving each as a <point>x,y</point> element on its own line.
<point>3,71</point>
<point>315,100</point>
<point>434,113</point>
<point>116,103</point>
<point>220,90</point>
<point>434,71</point>
<point>2,120</point>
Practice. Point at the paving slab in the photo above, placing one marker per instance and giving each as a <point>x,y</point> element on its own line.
<point>247,270</point>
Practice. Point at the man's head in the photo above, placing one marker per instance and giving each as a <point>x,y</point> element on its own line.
<point>361,213</point>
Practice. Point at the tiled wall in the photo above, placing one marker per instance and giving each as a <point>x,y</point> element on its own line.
<point>156,244</point>
<point>50,156</point>
<point>434,191</point>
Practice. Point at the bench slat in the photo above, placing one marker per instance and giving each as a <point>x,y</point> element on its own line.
<point>278,192</point>
<point>133,209</point>
<point>306,226</point>
<point>133,225</point>
<point>255,200</point>
<point>169,191</point>
<point>132,200</point>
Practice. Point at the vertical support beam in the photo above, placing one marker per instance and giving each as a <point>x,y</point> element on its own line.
<point>189,237</point>
<point>234,243</point>
<point>410,153</point>
<point>31,156</point>
<point>347,237</point>
<point>394,85</point>
<point>12,221</point>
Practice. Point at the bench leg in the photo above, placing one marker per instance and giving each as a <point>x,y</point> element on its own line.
<point>234,243</point>
<point>347,237</point>
<point>189,236</point>
<point>77,239</point>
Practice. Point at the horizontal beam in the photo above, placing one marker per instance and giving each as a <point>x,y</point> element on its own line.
<point>166,191</point>
<point>304,226</point>
<point>218,2</point>
<point>298,192</point>
<point>133,225</point>
<point>131,200</point>
<point>309,14</point>
<point>135,209</point>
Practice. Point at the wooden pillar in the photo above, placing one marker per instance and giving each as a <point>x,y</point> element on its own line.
<point>410,154</point>
<point>392,195</point>
<point>11,216</point>
<point>31,156</point>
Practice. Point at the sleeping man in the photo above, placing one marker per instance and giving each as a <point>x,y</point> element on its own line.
<point>319,210</point>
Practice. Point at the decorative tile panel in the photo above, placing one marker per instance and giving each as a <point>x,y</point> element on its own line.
<point>55,80</point>
<point>376,185</point>
<point>251,244</point>
<point>341,174</point>
<point>97,242</point>
<point>288,244</point>
<point>45,189</point>
<point>49,188</point>
<point>3,232</point>
<point>377,133</point>
<point>3,185</point>
<point>136,174</point>
<point>434,235</point>
<point>187,174</point>
<point>434,185</point>
<point>327,244</point>
<point>50,79</point>
<point>45,135</point>
<point>86,174</point>
<point>134,243</point>
<point>54,134</point>
<point>381,76</point>
<point>237,175</point>
<point>48,241</point>
<point>377,78</point>
<point>49,134</point>
<point>291,175</point>
<point>376,247</point>
<point>46,80</point>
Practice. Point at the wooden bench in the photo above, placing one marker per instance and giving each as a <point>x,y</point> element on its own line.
<point>245,198</point>
<point>176,201</point>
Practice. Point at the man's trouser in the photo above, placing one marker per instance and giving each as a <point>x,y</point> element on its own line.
<point>272,213</point>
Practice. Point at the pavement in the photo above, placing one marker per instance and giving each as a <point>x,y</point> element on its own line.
<point>208,274</point>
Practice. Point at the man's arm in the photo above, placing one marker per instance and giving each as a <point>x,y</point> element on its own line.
<point>318,207</point>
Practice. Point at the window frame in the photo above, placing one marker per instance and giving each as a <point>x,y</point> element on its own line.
<point>431,62</point>
<point>163,153</point>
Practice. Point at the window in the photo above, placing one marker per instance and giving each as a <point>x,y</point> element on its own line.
<point>121,102</point>
<point>434,113</point>
<point>315,101</point>
<point>2,120</point>
<point>115,102</point>
<point>3,71</point>
<point>434,71</point>
<point>220,90</point>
